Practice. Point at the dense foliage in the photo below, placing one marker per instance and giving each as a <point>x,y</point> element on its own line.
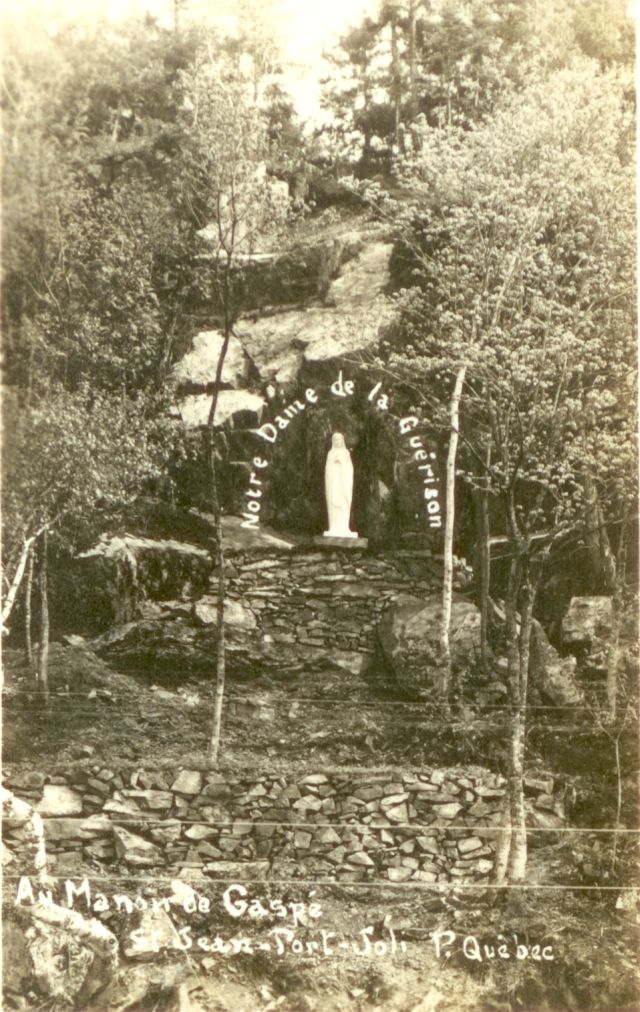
<point>512,197</point>
<point>121,144</point>
<point>494,139</point>
<point>422,63</point>
<point>517,261</point>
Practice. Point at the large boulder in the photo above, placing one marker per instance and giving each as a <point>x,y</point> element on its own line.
<point>175,640</point>
<point>552,675</point>
<point>193,409</point>
<point>409,636</point>
<point>108,583</point>
<point>61,954</point>
<point>170,646</point>
<point>587,621</point>
<point>197,370</point>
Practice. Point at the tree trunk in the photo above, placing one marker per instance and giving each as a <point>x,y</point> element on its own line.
<point>216,729</point>
<point>617,604</point>
<point>9,600</point>
<point>613,658</point>
<point>166,351</point>
<point>43,660</point>
<point>609,568</point>
<point>517,860</point>
<point>616,755</point>
<point>413,95</point>
<point>395,82</point>
<point>366,96</point>
<point>517,863</point>
<point>596,539</point>
<point>502,849</point>
<point>524,579</point>
<point>517,846</point>
<point>28,641</point>
<point>484,566</point>
<point>447,585</point>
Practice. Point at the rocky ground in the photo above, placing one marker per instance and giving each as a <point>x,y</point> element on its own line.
<point>331,667</point>
<point>436,969</point>
<point>318,720</point>
<point>97,713</point>
<point>119,703</point>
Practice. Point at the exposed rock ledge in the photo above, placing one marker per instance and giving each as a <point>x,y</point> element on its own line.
<point>278,346</point>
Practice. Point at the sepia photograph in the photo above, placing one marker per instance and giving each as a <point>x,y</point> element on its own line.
<point>320,657</point>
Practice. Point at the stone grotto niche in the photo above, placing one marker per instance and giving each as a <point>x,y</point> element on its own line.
<point>295,500</point>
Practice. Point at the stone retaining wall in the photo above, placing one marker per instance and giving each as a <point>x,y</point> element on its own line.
<point>321,600</point>
<point>289,610</point>
<point>429,826</point>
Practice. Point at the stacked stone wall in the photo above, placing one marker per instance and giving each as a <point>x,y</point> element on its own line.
<point>347,825</point>
<point>324,599</point>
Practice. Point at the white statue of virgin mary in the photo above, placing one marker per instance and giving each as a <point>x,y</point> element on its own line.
<point>338,486</point>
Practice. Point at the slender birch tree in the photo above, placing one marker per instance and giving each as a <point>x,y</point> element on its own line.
<point>522,255</point>
<point>226,192</point>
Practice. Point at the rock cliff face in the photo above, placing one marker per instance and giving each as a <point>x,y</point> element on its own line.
<point>339,312</point>
<point>282,344</point>
<point>306,338</point>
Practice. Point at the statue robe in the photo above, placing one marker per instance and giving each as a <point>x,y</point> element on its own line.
<point>338,483</point>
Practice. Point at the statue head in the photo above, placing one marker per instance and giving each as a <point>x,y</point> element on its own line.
<point>337,441</point>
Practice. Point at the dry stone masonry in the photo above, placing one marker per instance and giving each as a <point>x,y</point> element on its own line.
<point>325,599</point>
<point>287,610</point>
<point>431,826</point>
<point>292,608</point>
